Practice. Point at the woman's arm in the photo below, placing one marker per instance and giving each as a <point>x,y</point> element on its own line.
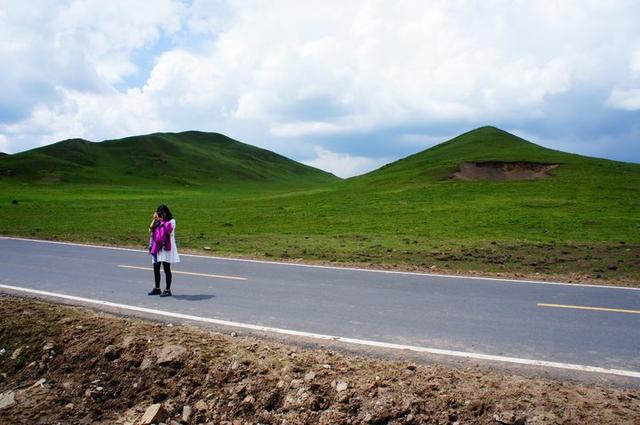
<point>153,220</point>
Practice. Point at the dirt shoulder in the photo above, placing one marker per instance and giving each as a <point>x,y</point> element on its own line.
<point>71,365</point>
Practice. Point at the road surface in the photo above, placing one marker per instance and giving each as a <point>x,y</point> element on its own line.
<point>562,326</point>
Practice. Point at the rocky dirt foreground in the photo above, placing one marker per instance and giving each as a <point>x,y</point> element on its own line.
<point>73,366</point>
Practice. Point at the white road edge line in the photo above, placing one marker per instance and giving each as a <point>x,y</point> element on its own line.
<point>437,351</point>
<point>211,257</point>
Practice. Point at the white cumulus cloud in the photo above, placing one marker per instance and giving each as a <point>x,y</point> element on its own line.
<point>626,94</point>
<point>341,164</point>
<point>293,75</point>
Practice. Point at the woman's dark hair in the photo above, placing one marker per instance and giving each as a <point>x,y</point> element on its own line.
<point>164,212</point>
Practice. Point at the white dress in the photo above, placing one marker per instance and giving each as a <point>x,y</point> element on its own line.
<point>170,256</point>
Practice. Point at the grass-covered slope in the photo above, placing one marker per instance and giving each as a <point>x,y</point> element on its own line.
<point>188,158</point>
<point>489,144</point>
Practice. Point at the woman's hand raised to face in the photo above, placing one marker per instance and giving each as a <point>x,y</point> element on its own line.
<point>153,220</point>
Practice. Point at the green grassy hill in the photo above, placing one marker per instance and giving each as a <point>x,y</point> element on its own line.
<point>585,199</point>
<point>188,158</point>
<point>489,144</point>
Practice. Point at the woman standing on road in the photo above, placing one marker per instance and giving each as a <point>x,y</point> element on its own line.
<point>163,248</point>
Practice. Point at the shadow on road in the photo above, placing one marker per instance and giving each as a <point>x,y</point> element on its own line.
<point>193,297</point>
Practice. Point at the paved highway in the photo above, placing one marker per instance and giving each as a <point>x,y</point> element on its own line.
<point>563,326</point>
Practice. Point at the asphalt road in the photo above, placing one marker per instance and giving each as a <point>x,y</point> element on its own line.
<point>546,324</point>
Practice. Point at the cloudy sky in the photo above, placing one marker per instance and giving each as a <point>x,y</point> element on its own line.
<point>342,85</point>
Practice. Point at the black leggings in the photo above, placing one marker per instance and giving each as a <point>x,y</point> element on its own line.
<point>167,272</point>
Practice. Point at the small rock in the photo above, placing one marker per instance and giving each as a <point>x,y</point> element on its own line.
<point>201,405</point>
<point>111,352</point>
<point>207,248</point>
<point>477,407</point>
<point>235,365</point>
<point>187,411</point>
<point>16,353</point>
<point>69,406</point>
<point>509,418</point>
<point>296,383</point>
<point>127,341</point>
<point>309,376</point>
<point>341,386</point>
<point>233,334</point>
<point>326,366</point>
<point>147,362</point>
<point>249,400</point>
<point>48,346</point>
<point>170,353</point>
<point>2,351</point>
<point>39,383</point>
<point>153,415</point>
<point>7,399</point>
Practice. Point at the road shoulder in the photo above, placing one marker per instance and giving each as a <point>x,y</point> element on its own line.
<point>69,364</point>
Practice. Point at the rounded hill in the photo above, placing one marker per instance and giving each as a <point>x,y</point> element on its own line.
<point>490,154</point>
<point>187,158</point>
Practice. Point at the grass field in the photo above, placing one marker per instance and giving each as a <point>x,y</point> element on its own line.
<point>583,221</point>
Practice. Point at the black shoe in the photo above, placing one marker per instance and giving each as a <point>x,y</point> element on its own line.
<point>154,291</point>
<point>166,293</point>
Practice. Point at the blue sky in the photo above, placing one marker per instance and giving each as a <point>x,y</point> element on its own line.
<point>344,86</point>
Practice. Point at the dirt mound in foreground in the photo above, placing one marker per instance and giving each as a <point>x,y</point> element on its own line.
<point>66,365</point>
<point>500,170</point>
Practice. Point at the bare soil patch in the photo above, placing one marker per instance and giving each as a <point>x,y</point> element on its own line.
<point>501,170</point>
<point>73,366</point>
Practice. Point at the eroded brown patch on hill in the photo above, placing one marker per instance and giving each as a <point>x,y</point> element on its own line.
<point>502,170</point>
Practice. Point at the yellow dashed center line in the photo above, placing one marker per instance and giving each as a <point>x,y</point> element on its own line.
<point>217,276</point>
<point>582,307</point>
